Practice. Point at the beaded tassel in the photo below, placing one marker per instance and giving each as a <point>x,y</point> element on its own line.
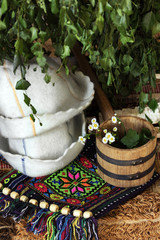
<point>51,229</point>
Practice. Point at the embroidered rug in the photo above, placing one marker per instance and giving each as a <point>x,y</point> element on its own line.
<point>76,187</point>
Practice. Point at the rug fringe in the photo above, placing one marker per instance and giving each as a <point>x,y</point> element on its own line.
<point>62,227</point>
<point>53,225</point>
<point>13,207</point>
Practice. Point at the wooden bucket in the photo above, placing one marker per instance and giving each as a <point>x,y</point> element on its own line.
<point>126,167</point>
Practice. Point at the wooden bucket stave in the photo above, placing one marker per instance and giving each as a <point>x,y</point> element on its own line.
<point>127,167</point>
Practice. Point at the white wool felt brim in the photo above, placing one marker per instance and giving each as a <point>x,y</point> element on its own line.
<point>75,91</point>
<point>25,127</point>
<point>49,145</point>
<point>34,167</point>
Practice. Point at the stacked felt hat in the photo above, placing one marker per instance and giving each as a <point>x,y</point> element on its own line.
<point>29,147</point>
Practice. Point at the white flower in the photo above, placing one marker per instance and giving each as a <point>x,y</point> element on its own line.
<point>95,125</point>
<point>115,129</point>
<point>108,135</point>
<point>104,140</point>
<point>82,140</point>
<point>115,114</point>
<point>93,120</point>
<point>119,122</point>
<point>105,130</point>
<point>114,119</point>
<point>112,139</point>
<point>90,127</point>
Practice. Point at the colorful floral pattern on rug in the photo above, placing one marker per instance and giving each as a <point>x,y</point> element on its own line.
<point>76,184</point>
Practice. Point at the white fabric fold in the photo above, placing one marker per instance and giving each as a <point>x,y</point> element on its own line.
<point>35,167</point>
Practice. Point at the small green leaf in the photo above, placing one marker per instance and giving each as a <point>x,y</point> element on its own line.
<point>58,49</point>
<point>13,14</point>
<point>23,22</point>
<point>127,6</point>
<point>146,133</point>
<point>36,47</point>
<point>67,70</point>
<point>2,26</point>
<point>145,136</point>
<point>62,16</point>
<point>43,36</point>
<point>131,139</point>
<point>54,7</point>
<point>41,60</point>
<point>156,28</point>
<point>100,7</point>
<point>47,78</point>
<point>143,98</point>
<point>127,60</point>
<point>92,2</point>
<point>19,45</point>
<point>32,117</point>
<point>22,84</point>
<point>4,7</point>
<point>135,69</point>
<point>153,104</point>
<point>149,120</point>
<point>126,39</point>
<point>16,62</point>
<point>100,23</point>
<point>108,6</point>
<point>34,34</point>
<point>148,21</point>
<point>25,35</point>
<point>66,52</point>
<point>33,109</point>
<point>109,80</point>
<point>70,40</point>
<point>27,100</point>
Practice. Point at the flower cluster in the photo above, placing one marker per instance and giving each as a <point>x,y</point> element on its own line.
<point>82,139</point>
<point>108,136</point>
<point>93,126</point>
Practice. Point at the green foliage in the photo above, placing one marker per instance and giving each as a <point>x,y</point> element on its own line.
<point>133,139</point>
<point>153,104</point>
<point>22,84</point>
<point>118,36</point>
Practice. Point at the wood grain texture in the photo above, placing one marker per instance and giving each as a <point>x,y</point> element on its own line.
<point>127,154</point>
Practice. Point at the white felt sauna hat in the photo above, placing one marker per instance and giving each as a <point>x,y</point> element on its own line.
<point>35,167</point>
<point>69,95</point>
<point>50,144</point>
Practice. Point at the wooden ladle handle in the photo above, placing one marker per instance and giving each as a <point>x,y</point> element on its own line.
<point>100,97</point>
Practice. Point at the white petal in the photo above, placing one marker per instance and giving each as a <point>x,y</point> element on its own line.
<point>93,120</point>
<point>114,119</point>
<point>115,129</point>
<point>104,140</point>
<point>90,127</point>
<point>108,135</point>
<point>95,125</point>
<point>112,139</point>
<point>105,130</point>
